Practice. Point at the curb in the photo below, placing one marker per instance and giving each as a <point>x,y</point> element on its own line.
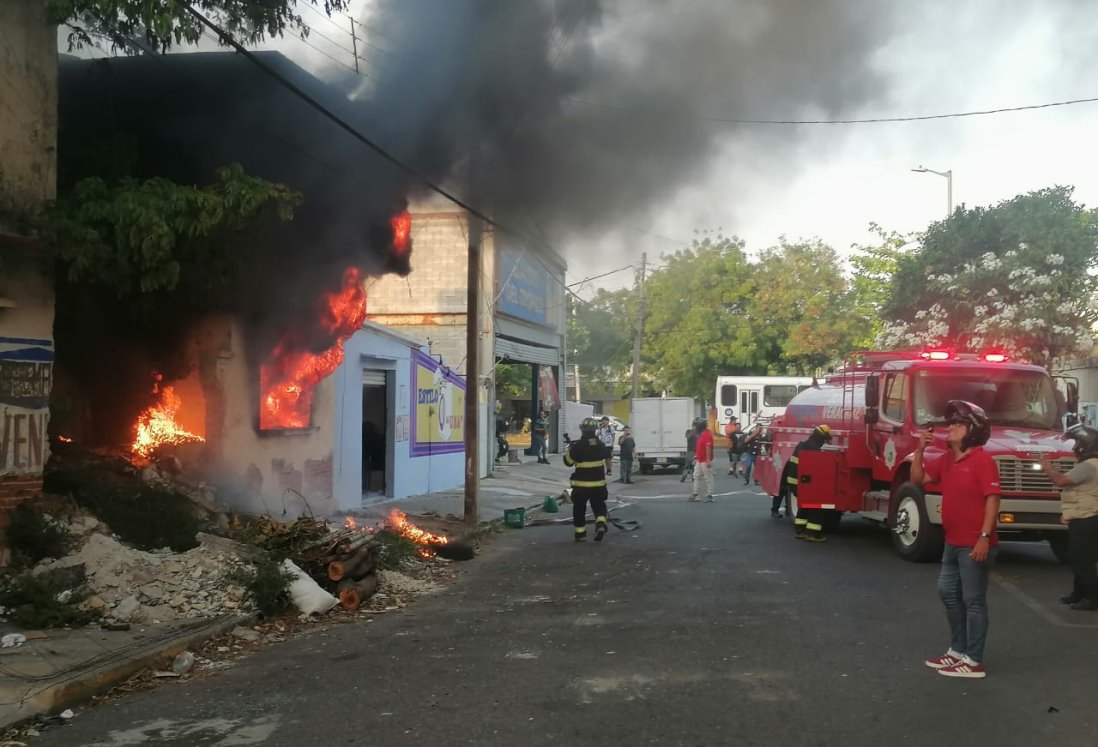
<point>75,689</point>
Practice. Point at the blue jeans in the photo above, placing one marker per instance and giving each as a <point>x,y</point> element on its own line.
<point>962,586</point>
<point>748,461</point>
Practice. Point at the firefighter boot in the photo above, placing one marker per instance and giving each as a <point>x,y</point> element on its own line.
<point>600,528</point>
<point>800,528</point>
<point>814,532</point>
<point>581,534</point>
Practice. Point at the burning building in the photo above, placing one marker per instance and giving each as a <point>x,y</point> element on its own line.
<point>28,130</point>
<point>274,386</point>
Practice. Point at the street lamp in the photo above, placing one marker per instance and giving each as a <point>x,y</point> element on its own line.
<point>949,185</point>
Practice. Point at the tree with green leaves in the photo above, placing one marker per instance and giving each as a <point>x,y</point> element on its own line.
<point>142,236</point>
<point>696,318</point>
<point>803,310</point>
<point>1018,277</point>
<point>874,266</point>
<point>600,339</point>
<point>172,23</point>
<point>137,237</point>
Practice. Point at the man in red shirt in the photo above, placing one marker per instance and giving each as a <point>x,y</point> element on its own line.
<point>969,482</point>
<point>703,462</point>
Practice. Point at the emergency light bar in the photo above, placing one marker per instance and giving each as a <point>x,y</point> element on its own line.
<point>946,355</point>
<point>937,355</point>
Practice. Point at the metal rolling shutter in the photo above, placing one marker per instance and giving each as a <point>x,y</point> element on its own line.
<point>517,351</point>
<point>373,378</point>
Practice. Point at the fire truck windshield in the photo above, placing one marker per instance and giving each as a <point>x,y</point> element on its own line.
<point>1019,398</point>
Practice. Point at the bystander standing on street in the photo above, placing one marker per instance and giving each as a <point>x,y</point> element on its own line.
<point>628,449</point>
<point>606,435</point>
<point>1079,510</point>
<point>540,437</point>
<point>735,440</point>
<point>969,481</point>
<point>751,443</point>
<point>703,464</point>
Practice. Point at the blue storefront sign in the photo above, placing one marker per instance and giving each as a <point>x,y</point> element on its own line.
<point>524,293</point>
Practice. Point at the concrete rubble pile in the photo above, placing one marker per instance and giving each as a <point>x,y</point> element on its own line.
<point>132,586</point>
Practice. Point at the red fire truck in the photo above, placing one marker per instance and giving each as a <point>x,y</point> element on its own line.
<point>876,407</point>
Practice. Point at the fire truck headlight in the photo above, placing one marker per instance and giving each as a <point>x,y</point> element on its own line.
<point>1036,467</point>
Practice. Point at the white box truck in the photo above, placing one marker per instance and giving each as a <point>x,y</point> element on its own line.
<point>571,415</point>
<point>659,426</point>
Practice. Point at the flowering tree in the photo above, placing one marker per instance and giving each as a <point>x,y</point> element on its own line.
<point>1018,277</point>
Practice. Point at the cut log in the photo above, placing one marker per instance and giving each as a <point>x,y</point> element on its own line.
<point>348,545</point>
<point>453,550</point>
<point>354,566</point>
<point>353,593</point>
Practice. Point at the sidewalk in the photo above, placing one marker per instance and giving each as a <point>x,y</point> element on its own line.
<point>60,668</point>
<point>523,484</point>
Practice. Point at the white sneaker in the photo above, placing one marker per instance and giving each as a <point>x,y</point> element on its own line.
<point>709,499</point>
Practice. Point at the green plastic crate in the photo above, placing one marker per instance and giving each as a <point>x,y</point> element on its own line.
<point>514,517</point>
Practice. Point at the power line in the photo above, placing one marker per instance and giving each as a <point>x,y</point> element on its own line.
<point>308,6</point>
<point>327,113</point>
<point>334,59</point>
<point>870,120</point>
<point>596,277</point>
<point>330,40</point>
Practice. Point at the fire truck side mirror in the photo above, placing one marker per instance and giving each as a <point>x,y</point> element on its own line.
<point>872,391</point>
<point>871,415</point>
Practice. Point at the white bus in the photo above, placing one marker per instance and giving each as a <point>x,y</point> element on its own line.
<point>751,399</point>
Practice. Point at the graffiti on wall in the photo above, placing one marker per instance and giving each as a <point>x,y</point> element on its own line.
<point>26,377</point>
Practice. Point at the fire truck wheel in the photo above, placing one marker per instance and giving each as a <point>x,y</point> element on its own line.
<point>1059,544</point>
<point>913,536</point>
<point>831,520</point>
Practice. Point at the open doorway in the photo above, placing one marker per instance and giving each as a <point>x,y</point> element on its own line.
<point>375,437</point>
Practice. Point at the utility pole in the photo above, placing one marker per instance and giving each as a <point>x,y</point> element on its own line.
<point>472,373</point>
<point>354,43</point>
<point>639,330</point>
<point>576,368</point>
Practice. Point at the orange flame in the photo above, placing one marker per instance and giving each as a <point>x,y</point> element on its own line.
<point>398,522</point>
<point>402,230</point>
<point>158,426</point>
<point>292,372</point>
<point>350,523</point>
<point>64,439</point>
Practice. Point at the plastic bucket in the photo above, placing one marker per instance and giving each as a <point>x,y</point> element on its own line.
<point>514,517</point>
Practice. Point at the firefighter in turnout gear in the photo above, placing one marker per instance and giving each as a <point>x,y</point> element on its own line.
<point>808,524</point>
<point>588,456</point>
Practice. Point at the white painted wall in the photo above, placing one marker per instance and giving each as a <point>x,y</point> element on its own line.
<point>409,476</point>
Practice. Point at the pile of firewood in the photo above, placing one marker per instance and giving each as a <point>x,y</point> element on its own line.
<point>350,571</point>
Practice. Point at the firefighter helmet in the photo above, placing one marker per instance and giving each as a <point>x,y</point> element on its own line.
<point>824,430</point>
<point>589,426</point>
<point>975,419</point>
<point>1086,441</point>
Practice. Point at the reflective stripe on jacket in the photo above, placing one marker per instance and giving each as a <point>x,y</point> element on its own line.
<point>588,457</point>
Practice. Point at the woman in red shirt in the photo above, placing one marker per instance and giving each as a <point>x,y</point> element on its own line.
<point>969,482</point>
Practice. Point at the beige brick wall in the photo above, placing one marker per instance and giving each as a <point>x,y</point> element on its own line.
<point>437,283</point>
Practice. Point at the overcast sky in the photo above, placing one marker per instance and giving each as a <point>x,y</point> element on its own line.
<point>830,181</point>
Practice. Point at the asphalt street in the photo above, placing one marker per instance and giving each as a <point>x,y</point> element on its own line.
<point>710,625</point>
